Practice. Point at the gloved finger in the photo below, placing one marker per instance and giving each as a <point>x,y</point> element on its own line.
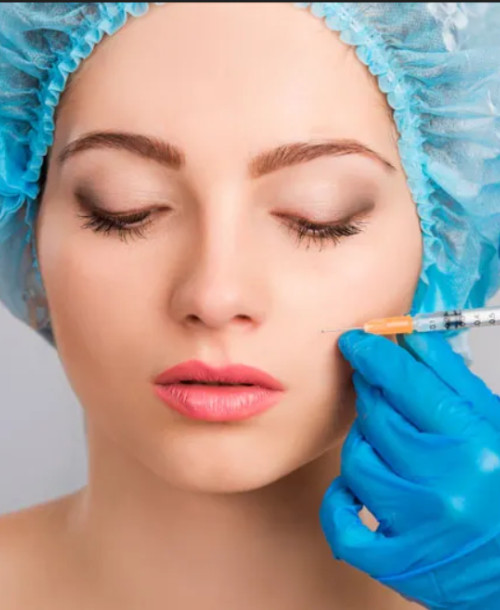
<point>433,350</point>
<point>411,454</point>
<point>384,493</point>
<point>409,385</point>
<point>349,538</point>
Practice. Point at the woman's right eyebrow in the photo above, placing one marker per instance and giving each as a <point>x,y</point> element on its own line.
<point>263,163</point>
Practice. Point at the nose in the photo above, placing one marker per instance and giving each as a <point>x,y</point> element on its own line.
<point>221,279</point>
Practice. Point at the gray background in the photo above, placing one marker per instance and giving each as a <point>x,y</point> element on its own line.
<point>42,441</point>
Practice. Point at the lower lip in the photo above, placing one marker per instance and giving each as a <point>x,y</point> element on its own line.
<point>218,403</point>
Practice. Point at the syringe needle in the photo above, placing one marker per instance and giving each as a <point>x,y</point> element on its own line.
<point>336,330</point>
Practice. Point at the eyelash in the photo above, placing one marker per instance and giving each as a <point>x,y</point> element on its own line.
<point>303,229</point>
<point>101,223</point>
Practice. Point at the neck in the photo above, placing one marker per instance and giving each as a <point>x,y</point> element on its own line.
<point>144,543</point>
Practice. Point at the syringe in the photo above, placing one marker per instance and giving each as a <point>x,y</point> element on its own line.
<point>428,322</point>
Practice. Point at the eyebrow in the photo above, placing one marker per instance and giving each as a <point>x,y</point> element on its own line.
<point>265,162</point>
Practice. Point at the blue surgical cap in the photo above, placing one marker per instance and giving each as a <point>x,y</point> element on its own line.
<point>438,64</point>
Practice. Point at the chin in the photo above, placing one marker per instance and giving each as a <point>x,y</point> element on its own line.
<point>225,463</point>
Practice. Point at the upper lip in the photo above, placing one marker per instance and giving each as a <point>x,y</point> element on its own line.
<point>196,370</point>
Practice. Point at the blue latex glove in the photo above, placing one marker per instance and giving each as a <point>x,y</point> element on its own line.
<point>423,456</point>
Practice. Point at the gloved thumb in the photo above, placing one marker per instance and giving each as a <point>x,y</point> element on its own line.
<point>348,537</point>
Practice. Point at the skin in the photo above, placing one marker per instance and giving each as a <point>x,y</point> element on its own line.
<point>183,513</point>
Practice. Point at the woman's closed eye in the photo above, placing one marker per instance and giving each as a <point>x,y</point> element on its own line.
<point>320,233</point>
<point>122,225</point>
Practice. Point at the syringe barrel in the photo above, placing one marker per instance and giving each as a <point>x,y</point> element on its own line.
<point>456,318</point>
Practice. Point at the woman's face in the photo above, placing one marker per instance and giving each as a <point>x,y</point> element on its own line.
<point>220,273</point>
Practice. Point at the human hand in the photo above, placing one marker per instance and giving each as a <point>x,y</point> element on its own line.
<point>423,456</point>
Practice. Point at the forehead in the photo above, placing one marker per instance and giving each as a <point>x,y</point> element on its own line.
<point>248,75</point>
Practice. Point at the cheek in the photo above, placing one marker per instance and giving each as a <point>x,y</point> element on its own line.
<point>93,304</point>
<point>379,275</point>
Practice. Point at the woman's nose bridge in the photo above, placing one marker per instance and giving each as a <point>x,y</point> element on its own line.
<point>224,258</point>
<point>223,267</point>
<point>225,239</point>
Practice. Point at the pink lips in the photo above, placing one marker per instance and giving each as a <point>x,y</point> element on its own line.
<point>218,403</point>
